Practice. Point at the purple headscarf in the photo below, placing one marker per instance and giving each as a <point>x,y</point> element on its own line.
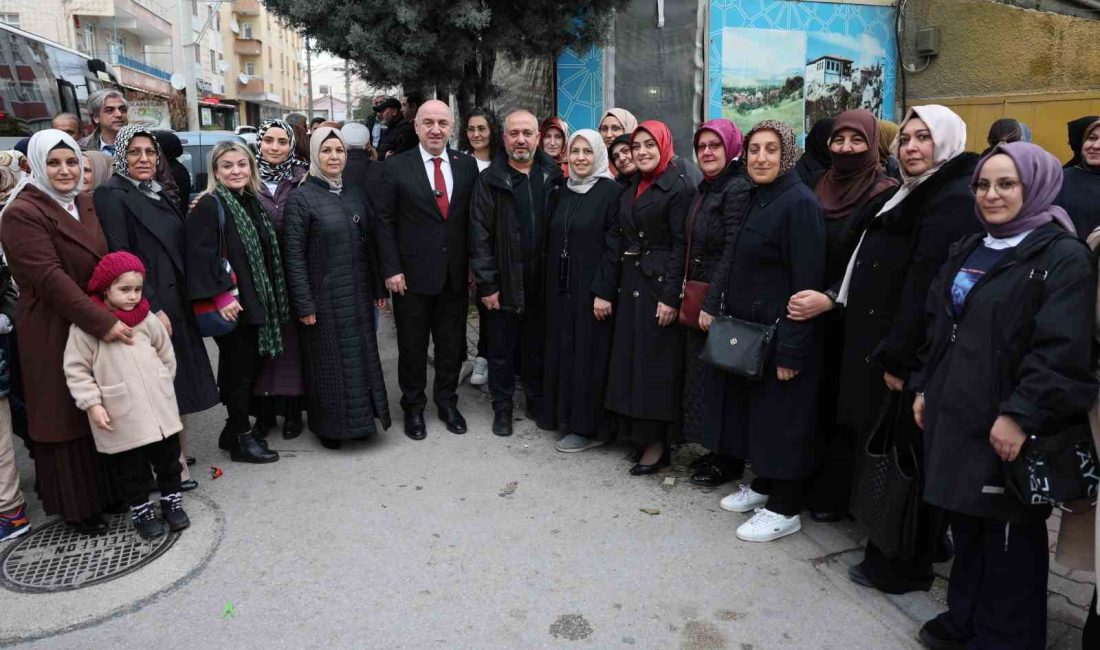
<point>731,136</point>
<point>1041,175</point>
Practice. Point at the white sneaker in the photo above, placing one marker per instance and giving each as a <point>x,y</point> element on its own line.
<point>766,525</point>
<point>480,376</point>
<point>744,500</point>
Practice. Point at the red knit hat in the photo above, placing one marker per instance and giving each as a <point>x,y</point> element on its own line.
<point>110,267</point>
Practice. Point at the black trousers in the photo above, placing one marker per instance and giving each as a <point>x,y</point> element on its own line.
<point>132,469</point>
<point>440,318</point>
<point>482,331</point>
<point>238,362</point>
<point>997,593</point>
<point>516,345</point>
<point>1090,638</point>
<point>784,496</point>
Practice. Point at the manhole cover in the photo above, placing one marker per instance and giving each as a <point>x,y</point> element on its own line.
<point>56,558</point>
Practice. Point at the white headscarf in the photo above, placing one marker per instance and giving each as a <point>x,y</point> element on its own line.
<point>38,150</point>
<point>320,134</point>
<point>580,184</point>
<point>949,140</point>
<point>948,136</point>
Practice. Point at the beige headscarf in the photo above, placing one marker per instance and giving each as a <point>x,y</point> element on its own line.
<point>625,117</point>
<point>320,134</point>
<point>581,184</point>
<point>101,168</point>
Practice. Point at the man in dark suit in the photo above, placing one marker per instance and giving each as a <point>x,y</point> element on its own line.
<point>424,202</point>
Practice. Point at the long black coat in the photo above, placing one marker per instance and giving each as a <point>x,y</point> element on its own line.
<point>779,252</point>
<point>1080,196</point>
<point>645,380</point>
<point>718,209</point>
<point>884,318</point>
<point>153,231</point>
<point>578,347</point>
<point>1022,348</point>
<point>332,273</point>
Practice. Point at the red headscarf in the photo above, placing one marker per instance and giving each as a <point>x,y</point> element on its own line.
<point>663,137</point>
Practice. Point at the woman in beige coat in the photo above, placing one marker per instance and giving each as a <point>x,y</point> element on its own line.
<point>1079,535</point>
<point>127,392</point>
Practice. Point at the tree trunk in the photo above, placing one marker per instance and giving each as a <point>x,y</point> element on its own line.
<point>476,88</point>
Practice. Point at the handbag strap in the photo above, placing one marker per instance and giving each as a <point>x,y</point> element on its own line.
<point>687,251</point>
<point>221,227</point>
<point>733,252</point>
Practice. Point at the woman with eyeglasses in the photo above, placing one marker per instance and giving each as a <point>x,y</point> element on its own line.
<point>481,138</point>
<point>1008,358</point>
<point>779,251</point>
<point>616,123</point>
<point>233,260</point>
<point>645,380</point>
<point>883,292</point>
<point>138,217</point>
<point>720,205</point>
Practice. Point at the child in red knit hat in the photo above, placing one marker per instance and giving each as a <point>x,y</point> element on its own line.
<point>127,391</point>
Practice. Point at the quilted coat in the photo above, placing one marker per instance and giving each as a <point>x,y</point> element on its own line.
<point>332,273</point>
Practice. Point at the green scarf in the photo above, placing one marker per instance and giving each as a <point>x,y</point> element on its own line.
<point>270,286</point>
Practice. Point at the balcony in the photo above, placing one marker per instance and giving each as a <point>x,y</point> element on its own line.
<point>248,47</point>
<point>141,66</point>
<point>255,86</point>
<point>246,7</point>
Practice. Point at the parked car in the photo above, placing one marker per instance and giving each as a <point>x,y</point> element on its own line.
<point>248,134</point>
<point>196,153</point>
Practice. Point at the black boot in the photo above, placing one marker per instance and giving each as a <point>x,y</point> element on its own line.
<point>502,422</point>
<point>145,521</point>
<point>227,439</point>
<point>171,508</point>
<point>262,427</point>
<point>249,450</point>
<point>292,425</point>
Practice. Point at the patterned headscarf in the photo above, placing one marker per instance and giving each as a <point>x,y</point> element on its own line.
<point>276,173</point>
<point>581,184</point>
<point>122,144</point>
<point>788,144</point>
<point>320,134</point>
<point>11,159</point>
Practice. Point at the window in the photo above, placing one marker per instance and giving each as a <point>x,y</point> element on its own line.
<point>87,39</point>
<point>115,46</point>
<point>246,30</point>
<point>250,69</point>
<point>213,61</point>
<point>10,19</point>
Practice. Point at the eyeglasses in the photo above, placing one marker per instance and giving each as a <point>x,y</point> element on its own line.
<point>611,128</point>
<point>138,153</point>
<point>711,146</point>
<point>1003,187</point>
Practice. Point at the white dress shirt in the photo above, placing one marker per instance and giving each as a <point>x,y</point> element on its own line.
<point>429,169</point>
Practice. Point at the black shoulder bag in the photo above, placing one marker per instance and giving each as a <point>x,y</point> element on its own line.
<point>739,347</point>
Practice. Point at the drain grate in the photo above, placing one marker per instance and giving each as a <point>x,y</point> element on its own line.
<point>57,558</point>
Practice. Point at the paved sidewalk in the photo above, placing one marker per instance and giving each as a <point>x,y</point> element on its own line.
<point>477,542</point>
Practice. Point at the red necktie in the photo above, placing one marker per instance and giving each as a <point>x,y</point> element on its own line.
<point>440,188</point>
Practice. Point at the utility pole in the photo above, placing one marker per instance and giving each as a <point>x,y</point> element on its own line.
<point>350,114</point>
<point>309,75</point>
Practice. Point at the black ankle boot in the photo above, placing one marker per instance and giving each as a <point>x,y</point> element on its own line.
<point>502,422</point>
<point>249,450</point>
<point>171,508</point>
<point>145,521</point>
<point>292,426</point>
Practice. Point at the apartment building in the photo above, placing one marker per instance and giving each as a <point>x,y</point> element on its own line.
<point>265,71</point>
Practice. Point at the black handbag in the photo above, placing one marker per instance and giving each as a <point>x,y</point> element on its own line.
<point>739,347</point>
<point>888,487</point>
<point>1053,470</point>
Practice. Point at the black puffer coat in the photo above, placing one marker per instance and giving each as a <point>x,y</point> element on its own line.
<point>718,209</point>
<point>1021,348</point>
<point>496,249</point>
<point>1080,196</point>
<point>332,273</point>
<point>884,320</point>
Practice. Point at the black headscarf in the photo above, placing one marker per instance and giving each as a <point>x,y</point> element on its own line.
<point>1076,130</point>
<point>816,161</point>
